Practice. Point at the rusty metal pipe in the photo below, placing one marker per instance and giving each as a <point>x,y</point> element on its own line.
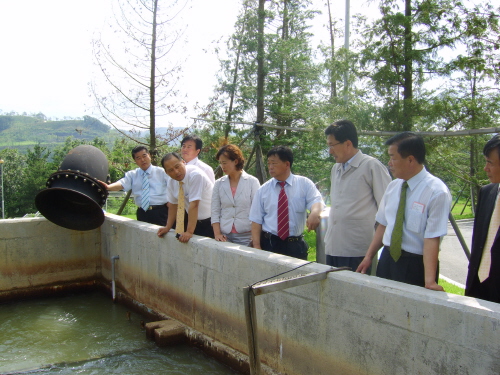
<point>113,285</point>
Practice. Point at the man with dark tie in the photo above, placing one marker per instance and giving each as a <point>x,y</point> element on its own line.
<point>412,217</point>
<point>483,278</point>
<point>279,208</point>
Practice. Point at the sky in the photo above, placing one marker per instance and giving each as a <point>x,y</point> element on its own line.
<point>46,61</point>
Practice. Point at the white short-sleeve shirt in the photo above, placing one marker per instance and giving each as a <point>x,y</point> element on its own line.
<point>428,203</point>
<point>197,187</point>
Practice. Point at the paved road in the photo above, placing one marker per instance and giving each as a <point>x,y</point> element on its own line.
<point>453,262</point>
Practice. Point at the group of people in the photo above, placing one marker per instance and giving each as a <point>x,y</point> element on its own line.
<point>405,217</point>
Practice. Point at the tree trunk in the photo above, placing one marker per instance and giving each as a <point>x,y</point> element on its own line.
<point>407,120</point>
<point>473,149</point>
<point>260,62</point>
<point>260,171</point>
<point>152,89</point>
<point>284,78</point>
<point>333,83</point>
<point>227,129</point>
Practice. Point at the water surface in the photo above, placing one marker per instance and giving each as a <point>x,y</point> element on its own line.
<point>88,334</point>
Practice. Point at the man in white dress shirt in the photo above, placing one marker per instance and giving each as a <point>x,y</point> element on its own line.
<point>301,195</point>
<point>197,198</point>
<point>191,147</point>
<point>156,211</point>
<point>425,217</point>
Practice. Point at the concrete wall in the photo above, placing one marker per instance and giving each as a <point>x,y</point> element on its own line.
<point>34,253</point>
<point>346,324</point>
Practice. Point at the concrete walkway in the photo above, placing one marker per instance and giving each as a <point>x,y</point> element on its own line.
<point>453,262</point>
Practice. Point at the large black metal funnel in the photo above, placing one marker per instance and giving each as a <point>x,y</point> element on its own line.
<point>74,198</point>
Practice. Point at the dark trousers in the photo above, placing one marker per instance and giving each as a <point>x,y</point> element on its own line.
<point>408,269</point>
<point>293,246</point>
<point>204,228</point>
<point>351,262</point>
<point>485,290</point>
<point>157,215</point>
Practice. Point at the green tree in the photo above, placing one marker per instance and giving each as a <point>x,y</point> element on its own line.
<point>270,74</point>
<point>401,53</point>
<point>13,180</point>
<point>24,177</point>
<point>469,98</point>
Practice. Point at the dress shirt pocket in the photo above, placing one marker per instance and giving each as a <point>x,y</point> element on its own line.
<point>415,221</point>
<point>297,203</point>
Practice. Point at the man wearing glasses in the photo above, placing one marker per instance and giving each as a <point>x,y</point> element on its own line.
<point>358,182</point>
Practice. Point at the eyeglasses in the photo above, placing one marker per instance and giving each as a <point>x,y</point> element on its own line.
<point>338,143</point>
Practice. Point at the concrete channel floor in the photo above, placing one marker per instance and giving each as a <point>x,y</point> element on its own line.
<point>453,262</point>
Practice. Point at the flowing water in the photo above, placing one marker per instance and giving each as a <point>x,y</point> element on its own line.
<point>88,334</point>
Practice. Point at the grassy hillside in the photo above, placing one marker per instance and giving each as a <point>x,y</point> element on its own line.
<point>23,132</point>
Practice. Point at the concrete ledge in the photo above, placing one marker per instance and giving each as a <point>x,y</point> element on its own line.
<point>166,332</point>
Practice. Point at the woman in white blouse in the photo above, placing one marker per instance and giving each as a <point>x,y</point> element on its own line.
<point>232,198</point>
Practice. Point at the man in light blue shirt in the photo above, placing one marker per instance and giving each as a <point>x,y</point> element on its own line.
<point>155,209</point>
<point>301,195</point>
<point>425,217</point>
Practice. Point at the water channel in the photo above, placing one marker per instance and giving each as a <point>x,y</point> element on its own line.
<point>88,334</point>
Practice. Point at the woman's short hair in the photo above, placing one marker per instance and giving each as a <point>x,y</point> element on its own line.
<point>232,152</point>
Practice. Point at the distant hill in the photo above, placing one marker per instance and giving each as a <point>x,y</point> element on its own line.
<point>23,132</point>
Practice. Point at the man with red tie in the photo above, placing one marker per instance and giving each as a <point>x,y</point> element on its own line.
<point>279,208</point>
<point>483,279</point>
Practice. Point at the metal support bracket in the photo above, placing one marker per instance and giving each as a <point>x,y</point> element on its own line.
<point>265,287</point>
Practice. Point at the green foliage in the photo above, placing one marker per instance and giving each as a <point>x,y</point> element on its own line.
<point>23,132</point>
<point>422,65</point>
<point>5,122</point>
<point>400,53</point>
<point>310,238</point>
<point>24,176</point>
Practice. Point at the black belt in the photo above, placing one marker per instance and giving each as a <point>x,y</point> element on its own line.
<point>271,236</point>
<point>204,220</point>
<point>155,207</point>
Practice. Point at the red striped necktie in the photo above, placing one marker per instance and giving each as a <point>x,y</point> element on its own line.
<point>283,221</point>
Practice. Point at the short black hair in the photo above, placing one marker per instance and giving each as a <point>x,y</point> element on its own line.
<point>343,130</point>
<point>409,143</point>
<point>492,144</point>
<point>283,152</point>
<point>193,137</point>
<point>169,156</point>
<point>137,149</point>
